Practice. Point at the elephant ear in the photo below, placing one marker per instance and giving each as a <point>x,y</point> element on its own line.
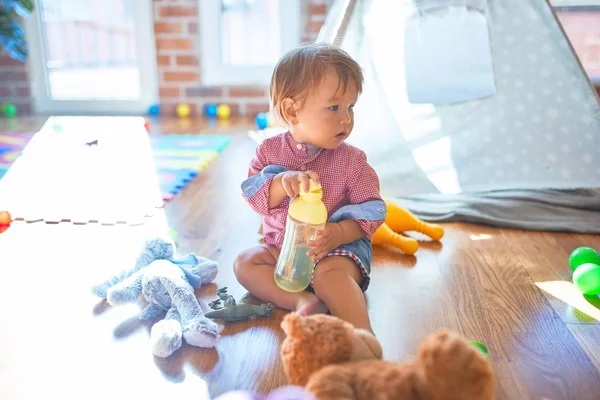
<point>198,270</point>
<point>206,269</point>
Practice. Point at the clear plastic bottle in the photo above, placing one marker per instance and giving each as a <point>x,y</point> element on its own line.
<point>306,215</point>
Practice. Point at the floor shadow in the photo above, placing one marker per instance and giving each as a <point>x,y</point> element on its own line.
<point>388,255</point>
<point>203,360</point>
<point>130,326</point>
<point>432,245</point>
<point>101,308</point>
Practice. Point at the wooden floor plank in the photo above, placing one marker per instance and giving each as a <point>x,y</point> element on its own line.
<point>479,289</point>
<point>545,256</point>
<point>588,337</point>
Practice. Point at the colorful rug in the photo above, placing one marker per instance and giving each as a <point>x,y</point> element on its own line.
<point>11,146</point>
<point>98,169</point>
<point>179,158</point>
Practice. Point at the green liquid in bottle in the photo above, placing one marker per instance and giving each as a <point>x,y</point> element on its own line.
<point>296,274</point>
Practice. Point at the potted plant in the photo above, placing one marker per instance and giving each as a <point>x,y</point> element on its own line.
<point>12,35</point>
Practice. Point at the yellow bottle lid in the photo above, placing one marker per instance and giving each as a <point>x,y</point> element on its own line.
<point>308,207</point>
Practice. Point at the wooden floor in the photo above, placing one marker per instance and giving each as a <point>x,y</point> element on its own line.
<point>508,289</point>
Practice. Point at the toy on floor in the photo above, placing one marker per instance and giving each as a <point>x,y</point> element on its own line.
<point>5,221</point>
<point>154,109</point>
<point>480,346</point>
<point>182,110</point>
<point>223,111</point>
<point>333,360</point>
<point>5,218</point>
<point>147,125</point>
<point>262,120</point>
<point>399,220</point>
<point>232,311</point>
<point>10,110</point>
<point>585,263</point>
<point>167,283</point>
<point>210,110</point>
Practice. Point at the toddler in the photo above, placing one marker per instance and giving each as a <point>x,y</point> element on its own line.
<point>313,92</point>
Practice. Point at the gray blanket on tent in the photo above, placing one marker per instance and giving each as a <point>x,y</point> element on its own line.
<point>544,210</point>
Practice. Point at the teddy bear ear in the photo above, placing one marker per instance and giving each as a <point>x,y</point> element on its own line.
<point>291,323</point>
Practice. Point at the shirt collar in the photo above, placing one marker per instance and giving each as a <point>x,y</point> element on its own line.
<point>299,148</point>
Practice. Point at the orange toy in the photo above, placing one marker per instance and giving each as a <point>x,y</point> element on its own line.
<point>399,220</point>
<point>5,218</point>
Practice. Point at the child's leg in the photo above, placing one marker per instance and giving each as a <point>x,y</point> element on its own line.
<point>254,270</point>
<point>337,283</point>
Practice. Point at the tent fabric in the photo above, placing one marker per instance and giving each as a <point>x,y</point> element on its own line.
<point>538,136</point>
<point>541,130</point>
<point>545,210</point>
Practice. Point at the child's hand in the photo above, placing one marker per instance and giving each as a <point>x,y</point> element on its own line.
<point>293,181</point>
<point>327,239</point>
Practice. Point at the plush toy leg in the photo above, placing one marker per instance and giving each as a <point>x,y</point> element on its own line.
<point>166,335</point>
<point>401,220</point>
<point>126,291</point>
<point>150,311</point>
<point>153,249</point>
<point>197,329</point>
<point>385,235</point>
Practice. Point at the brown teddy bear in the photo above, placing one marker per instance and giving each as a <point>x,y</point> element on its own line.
<point>333,360</point>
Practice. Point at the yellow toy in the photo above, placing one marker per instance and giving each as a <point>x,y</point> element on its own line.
<point>223,111</point>
<point>183,110</point>
<point>400,220</point>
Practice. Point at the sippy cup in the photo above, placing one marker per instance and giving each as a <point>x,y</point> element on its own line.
<point>306,216</point>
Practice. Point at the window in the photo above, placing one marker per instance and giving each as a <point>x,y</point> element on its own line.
<point>92,56</point>
<point>243,39</point>
<point>580,20</point>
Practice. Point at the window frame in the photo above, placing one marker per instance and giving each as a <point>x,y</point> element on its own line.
<point>215,72</point>
<point>43,103</point>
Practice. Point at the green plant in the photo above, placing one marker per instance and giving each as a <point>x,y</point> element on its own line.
<point>12,35</point>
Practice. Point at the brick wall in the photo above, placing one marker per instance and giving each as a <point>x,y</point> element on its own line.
<point>14,84</point>
<point>178,63</point>
<point>178,59</point>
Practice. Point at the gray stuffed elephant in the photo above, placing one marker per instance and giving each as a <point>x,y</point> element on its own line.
<point>167,284</point>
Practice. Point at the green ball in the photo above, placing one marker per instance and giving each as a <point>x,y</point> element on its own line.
<point>10,110</point>
<point>587,279</point>
<point>583,255</point>
<point>480,346</point>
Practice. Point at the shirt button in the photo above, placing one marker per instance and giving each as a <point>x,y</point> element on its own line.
<point>299,146</point>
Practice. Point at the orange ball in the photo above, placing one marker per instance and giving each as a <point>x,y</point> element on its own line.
<point>5,218</point>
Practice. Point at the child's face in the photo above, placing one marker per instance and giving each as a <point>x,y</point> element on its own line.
<point>326,118</point>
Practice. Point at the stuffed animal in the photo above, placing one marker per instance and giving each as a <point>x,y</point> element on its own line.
<point>399,220</point>
<point>320,352</point>
<point>167,283</point>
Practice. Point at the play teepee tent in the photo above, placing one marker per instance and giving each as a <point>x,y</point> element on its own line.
<point>477,110</point>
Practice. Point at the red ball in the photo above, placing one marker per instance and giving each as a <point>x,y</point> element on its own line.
<point>5,218</point>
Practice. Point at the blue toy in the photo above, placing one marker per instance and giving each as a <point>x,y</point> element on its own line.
<point>154,109</point>
<point>262,120</point>
<point>210,110</point>
<point>167,283</point>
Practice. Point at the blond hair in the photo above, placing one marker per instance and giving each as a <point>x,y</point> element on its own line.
<point>302,69</point>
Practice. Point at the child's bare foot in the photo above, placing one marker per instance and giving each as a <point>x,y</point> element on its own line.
<point>309,304</point>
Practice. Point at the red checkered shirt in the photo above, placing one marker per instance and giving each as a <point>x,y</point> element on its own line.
<point>345,175</point>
